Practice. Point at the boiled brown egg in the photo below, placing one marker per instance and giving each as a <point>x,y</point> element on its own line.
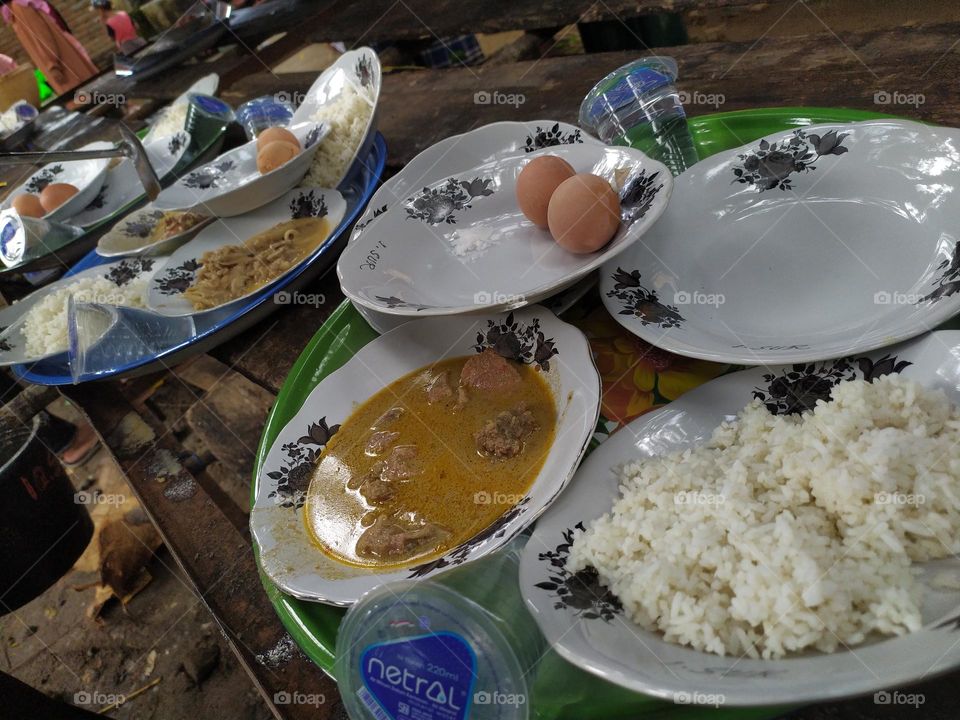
<point>56,194</point>
<point>537,182</point>
<point>274,155</point>
<point>28,205</point>
<point>276,134</point>
<point>584,213</point>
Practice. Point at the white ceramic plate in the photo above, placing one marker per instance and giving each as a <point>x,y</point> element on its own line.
<point>231,184</point>
<point>85,175</point>
<point>122,185</point>
<point>13,344</point>
<point>809,244</point>
<point>131,236</point>
<point>166,290</point>
<point>455,154</point>
<point>360,68</point>
<point>290,558</point>
<point>207,85</point>
<point>592,632</point>
<point>460,244</point>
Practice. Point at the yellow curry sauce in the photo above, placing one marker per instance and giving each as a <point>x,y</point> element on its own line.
<point>451,483</point>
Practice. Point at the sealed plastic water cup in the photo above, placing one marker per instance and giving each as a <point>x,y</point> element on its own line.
<point>638,105</point>
<point>458,647</point>
<point>206,118</point>
<point>24,238</point>
<point>261,113</point>
<point>104,338</point>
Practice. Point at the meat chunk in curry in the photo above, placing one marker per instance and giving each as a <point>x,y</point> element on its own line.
<point>504,435</point>
<point>489,371</point>
<point>390,538</point>
<point>380,441</point>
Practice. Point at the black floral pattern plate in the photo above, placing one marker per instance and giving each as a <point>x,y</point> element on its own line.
<point>232,185</point>
<point>165,293</point>
<point>809,244</point>
<point>359,69</point>
<point>588,624</point>
<point>13,345</point>
<point>87,176</point>
<point>122,187</point>
<point>453,155</point>
<point>459,243</point>
<point>532,335</point>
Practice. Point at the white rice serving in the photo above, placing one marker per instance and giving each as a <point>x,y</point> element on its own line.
<point>788,532</point>
<point>171,121</point>
<point>347,117</point>
<point>45,325</point>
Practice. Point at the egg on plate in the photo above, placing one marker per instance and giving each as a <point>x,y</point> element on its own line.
<point>584,213</point>
<point>536,183</point>
<point>28,205</point>
<point>56,194</point>
<point>275,154</point>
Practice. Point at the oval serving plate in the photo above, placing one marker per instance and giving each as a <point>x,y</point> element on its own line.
<point>452,155</point>
<point>121,184</point>
<point>805,245</point>
<point>590,629</point>
<point>457,153</point>
<point>359,67</point>
<point>232,184</point>
<point>461,244</point>
<point>285,551</point>
<point>215,328</point>
<point>13,345</point>
<point>131,236</point>
<point>207,85</point>
<point>85,175</point>
<point>165,294</point>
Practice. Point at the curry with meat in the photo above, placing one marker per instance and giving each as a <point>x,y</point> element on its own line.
<point>431,460</point>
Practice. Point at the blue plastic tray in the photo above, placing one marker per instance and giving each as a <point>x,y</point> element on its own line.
<point>216,327</point>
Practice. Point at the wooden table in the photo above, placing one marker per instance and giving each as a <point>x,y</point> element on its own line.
<point>223,398</point>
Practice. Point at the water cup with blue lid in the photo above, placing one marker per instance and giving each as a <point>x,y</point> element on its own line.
<point>638,105</point>
<point>207,117</point>
<point>458,647</point>
<point>261,113</point>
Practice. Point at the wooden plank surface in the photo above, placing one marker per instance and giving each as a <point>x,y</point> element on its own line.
<point>212,553</point>
<point>418,108</point>
<point>366,21</point>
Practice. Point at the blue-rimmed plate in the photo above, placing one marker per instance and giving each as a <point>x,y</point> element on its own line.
<point>216,327</point>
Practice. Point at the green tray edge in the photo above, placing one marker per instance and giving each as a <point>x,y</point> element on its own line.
<point>346,325</point>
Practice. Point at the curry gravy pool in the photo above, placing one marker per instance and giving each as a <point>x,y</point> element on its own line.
<point>430,461</point>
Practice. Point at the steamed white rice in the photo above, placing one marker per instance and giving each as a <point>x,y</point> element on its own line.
<point>45,325</point>
<point>347,117</point>
<point>788,532</point>
<point>171,121</point>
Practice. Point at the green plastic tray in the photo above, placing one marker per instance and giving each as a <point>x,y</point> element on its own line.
<point>314,626</point>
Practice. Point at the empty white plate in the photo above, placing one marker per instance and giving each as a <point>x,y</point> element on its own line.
<point>809,244</point>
